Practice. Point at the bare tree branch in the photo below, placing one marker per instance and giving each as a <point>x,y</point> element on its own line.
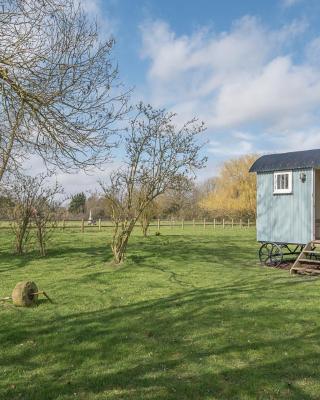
<point>31,202</point>
<point>159,157</point>
<point>59,93</point>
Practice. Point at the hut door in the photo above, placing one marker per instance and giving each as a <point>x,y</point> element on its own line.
<point>317,203</point>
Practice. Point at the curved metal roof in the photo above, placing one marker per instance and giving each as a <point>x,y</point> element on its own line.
<point>283,161</point>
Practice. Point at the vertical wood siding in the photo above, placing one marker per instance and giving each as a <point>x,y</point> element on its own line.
<point>317,203</point>
<point>284,217</point>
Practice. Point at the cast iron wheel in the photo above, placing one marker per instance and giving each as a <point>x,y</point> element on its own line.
<point>270,255</point>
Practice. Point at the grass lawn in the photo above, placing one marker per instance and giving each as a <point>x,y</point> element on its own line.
<point>190,315</point>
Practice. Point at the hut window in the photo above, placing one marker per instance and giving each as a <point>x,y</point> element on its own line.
<point>282,182</point>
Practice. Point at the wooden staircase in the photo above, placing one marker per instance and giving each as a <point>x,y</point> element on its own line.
<point>308,261</point>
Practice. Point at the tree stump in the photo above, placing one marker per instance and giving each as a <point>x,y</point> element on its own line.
<point>23,294</point>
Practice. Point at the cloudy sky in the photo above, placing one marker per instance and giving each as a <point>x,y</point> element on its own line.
<point>250,69</point>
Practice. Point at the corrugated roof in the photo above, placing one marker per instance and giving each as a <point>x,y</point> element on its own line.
<point>283,161</point>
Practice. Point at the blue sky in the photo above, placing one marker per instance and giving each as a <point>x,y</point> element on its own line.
<point>250,69</point>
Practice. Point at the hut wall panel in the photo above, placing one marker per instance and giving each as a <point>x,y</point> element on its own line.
<point>317,203</point>
<point>284,217</point>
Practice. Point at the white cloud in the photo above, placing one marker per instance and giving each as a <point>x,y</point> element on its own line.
<point>81,181</point>
<point>280,93</point>
<point>235,144</point>
<point>290,3</point>
<point>313,51</point>
<point>244,78</point>
<point>297,140</point>
<point>247,46</point>
<point>242,147</point>
<point>94,10</point>
<point>197,72</point>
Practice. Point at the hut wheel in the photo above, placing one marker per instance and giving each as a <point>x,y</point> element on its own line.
<point>270,254</point>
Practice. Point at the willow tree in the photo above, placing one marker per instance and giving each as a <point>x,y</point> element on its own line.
<point>159,156</point>
<point>59,94</point>
<point>234,191</point>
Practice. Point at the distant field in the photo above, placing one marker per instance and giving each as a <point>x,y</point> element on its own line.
<point>190,315</point>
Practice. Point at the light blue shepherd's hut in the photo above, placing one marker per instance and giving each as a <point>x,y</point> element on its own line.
<point>288,201</point>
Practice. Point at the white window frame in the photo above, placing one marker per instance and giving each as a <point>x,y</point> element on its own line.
<point>277,190</point>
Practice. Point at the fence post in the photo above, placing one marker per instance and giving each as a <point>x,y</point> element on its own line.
<point>204,223</point>
<point>82,225</point>
<point>223,223</point>
<point>232,223</point>
<point>158,224</point>
<point>214,223</point>
<point>99,224</point>
<point>240,223</point>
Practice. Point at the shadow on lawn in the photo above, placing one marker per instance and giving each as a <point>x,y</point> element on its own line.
<point>141,251</point>
<point>172,348</point>
<point>174,256</point>
<point>203,343</point>
<point>11,262</point>
<point>189,249</point>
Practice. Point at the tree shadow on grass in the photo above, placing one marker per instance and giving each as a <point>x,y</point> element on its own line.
<point>12,262</point>
<point>184,249</point>
<point>199,344</point>
<point>157,257</point>
<point>189,249</point>
<point>102,252</point>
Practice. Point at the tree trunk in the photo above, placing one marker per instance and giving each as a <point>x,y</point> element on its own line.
<point>120,241</point>
<point>8,150</point>
<point>19,244</point>
<point>119,246</point>
<point>145,222</point>
<point>21,233</point>
<point>41,240</point>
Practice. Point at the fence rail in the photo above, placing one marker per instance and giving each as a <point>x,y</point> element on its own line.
<point>99,224</point>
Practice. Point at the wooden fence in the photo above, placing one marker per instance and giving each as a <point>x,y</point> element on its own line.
<point>98,225</point>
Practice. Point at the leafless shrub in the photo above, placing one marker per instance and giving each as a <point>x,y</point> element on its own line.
<point>31,204</point>
<point>146,216</point>
<point>159,156</point>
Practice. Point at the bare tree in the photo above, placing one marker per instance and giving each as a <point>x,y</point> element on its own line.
<point>59,94</point>
<point>159,156</point>
<point>45,214</point>
<point>97,204</point>
<point>146,216</point>
<point>20,191</point>
<point>30,202</point>
<point>182,203</point>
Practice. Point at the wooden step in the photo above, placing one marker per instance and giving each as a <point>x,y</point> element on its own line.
<point>309,260</point>
<point>313,264</point>
<point>307,270</point>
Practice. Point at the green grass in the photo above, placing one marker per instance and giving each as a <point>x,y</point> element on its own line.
<point>190,315</point>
